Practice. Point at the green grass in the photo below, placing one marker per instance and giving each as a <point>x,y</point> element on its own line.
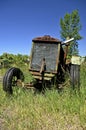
<point>52,111</point>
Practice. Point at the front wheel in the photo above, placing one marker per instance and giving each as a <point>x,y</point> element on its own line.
<point>10,79</point>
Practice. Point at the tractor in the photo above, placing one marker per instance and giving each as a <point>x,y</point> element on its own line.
<point>48,64</point>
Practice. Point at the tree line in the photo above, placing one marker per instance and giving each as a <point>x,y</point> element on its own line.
<point>7,60</point>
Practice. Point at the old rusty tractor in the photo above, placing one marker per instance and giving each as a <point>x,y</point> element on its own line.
<point>48,65</point>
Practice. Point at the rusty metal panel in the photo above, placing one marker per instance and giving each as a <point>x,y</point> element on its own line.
<point>46,39</point>
<point>49,52</point>
<point>40,78</point>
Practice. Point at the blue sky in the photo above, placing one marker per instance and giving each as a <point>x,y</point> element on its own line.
<point>22,20</point>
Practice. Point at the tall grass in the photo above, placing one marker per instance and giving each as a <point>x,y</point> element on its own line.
<point>52,111</point>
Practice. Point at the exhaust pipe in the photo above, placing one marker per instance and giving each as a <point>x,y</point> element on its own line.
<point>67,41</point>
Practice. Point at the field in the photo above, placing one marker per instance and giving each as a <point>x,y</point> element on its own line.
<point>52,111</point>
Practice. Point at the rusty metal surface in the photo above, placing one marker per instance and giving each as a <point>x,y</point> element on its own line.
<point>37,75</point>
<point>47,51</point>
<point>46,39</point>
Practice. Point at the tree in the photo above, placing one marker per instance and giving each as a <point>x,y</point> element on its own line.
<point>70,27</point>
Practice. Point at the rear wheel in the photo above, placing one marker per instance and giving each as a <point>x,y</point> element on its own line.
<point>75,75</point>
<point>10,79</point>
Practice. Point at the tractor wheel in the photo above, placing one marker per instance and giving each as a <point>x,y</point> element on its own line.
<point>75,75</point>
<point>10,79</point>
<point>5,79</point>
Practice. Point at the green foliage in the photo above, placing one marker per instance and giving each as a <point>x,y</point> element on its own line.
<point>9,60</point>
<point>70,27</point>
